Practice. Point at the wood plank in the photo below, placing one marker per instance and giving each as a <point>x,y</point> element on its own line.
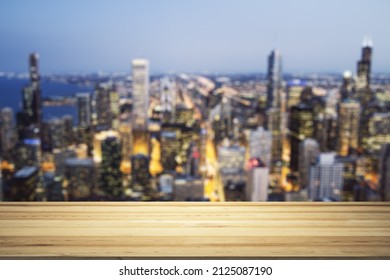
<point>181,229</point>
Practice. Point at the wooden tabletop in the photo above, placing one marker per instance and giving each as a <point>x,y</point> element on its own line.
<point>194,230</point>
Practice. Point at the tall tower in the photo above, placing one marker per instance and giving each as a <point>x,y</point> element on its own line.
<point>36,105</point>
<point>301,127</point>
<point>140,74</point>
<point>84,109</point>
<point>29,120</point>
<point>168,99</point>
<point>274,77</point>
<point>364,73</point>
<point>7,130</point>
<point>111,159</point>
<point>275,113</point>
<point>348,126</point>
<point>102,106</point>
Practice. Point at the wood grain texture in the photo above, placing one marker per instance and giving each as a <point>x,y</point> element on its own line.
<point>135,230</point>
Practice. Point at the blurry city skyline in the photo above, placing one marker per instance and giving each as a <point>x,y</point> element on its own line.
<point>192,36</point>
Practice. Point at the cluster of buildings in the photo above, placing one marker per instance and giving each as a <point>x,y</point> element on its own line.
<point>196,138</point>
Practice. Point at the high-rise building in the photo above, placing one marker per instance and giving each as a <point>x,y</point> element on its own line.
<point>274,77</point>
<point>347,86</point>
<point>192,157</point>
<point>35,104</point>
<point>325,131</point>
<point>168,99</point>
<point>84,112</point>
<point>301,127</point>
<point>140,75</point>
<point>140,173</point>
<point>126,138</point>
<point>30,118</point>
<point>275,126</point>
<point>7,130</point>
<point>32,93</point>
<point>170,147</point>
<point>111,177</point>
<point>256,188</point>
<point>275,114</point>
<point>103,115</point>
<point>308,154</point>
<point>348,126</point>
<point>56,133</point>
<point>97,143</point>
<point>294,90</point>
<point>326,178</point>
<point>84,109</point>
<point>33,70</point>
<point>260,143</point>
<point>363,79</point>
<point>384,172</point>
<point>68,127</point>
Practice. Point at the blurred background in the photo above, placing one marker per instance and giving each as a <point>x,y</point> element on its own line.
<point>194,100</point>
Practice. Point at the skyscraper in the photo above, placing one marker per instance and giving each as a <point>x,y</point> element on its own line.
<point>168,99</point>
<point>35,90</point>
<point>102,107</point>
<point>274,78</point>
<point>301,127</point>
<point>84,109</point>
<point>326,178</point>
<point>348,126</point>
<point>275,113</point>
<point>260,143</point>
<point>140,173</point>
<point>111,177</point>
<point>33,70</point>
<point>363,92</point>
<point>308,153</point>
<point>347,86</point>
<point>363,79</point>
<point>30,118</point>
<point>7,133</point>
<point>57,133</point>
<point>170,147</point>
<point>140,74</point>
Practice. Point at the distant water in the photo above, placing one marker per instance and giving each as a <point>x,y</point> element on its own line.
<point>11,96</point>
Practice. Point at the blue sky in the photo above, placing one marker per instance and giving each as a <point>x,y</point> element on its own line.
<point>192,35</point>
